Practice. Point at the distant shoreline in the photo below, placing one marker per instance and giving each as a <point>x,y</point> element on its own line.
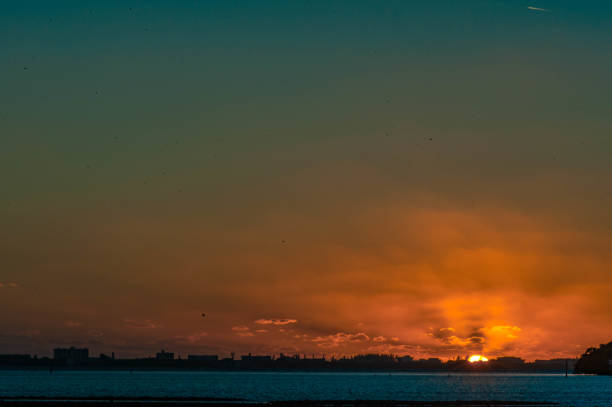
<point>267,370</point>
<point>213,402</point>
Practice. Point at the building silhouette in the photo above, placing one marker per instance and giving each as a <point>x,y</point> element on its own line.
<point>255,358</point>
<point>595,360</point>
<point>15,358</point>
<point>206,358</point>
<point>71,355</point>
<point>163,355</point>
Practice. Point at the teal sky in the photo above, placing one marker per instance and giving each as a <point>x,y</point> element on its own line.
<point>259,159</point>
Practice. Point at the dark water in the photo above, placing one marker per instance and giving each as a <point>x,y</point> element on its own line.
<point>571,391</point>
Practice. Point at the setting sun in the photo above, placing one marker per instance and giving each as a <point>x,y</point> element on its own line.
<point>477,358</point>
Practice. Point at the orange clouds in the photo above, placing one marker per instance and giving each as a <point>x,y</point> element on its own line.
<point>445,281</point>
<point>243,331</point>
<point>141,324</point>
<point>194,337</point>
<point>485,339</point>
<point>408,276</point>
<point>339,339</point>
<point>284,321</point>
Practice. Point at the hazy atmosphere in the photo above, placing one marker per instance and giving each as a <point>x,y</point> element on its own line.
<point>428,178</point>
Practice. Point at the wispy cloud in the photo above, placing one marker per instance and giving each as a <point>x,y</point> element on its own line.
<point>240,328</point>
<point>144,324</point>
<point>276,321</point>
<point>191,338</point>
<point>242,331</point>
<point>545,10</point>
<point>340,338</point>
<point>95,333</point>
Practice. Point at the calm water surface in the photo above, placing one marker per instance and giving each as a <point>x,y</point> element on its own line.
<point>571,391</point>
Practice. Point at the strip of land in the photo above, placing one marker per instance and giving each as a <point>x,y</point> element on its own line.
<point>214,402</point>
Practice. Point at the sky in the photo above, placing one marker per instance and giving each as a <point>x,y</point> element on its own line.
<point>425,178</point>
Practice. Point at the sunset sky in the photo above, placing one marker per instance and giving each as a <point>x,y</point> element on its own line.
<point>431,178</point>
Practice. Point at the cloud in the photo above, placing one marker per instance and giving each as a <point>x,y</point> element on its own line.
<point>489,338</point>
<point>11,285</point>
<point>95,333</point>
<point>471,276</point>
<point>194,337</point>
<point>503,331</point>
<point>72,324</point>
<point>242,331</point>
<point>141,324</point>
<point>443,333</point>
<point>340,338</point>
<point>473,340</point>
<point>389,348</point>
<point>240,328</point>
<point>274,321</point>
<point>190,339</point>
<point>545,10</point>
<point>261,331</point>
<point>500,337</point>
